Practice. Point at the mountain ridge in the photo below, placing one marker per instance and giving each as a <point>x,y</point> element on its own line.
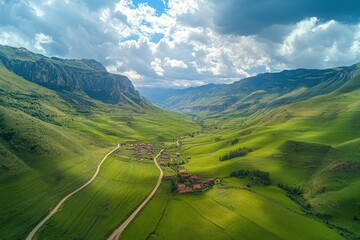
<point>255,93</point>
<point>86,75</point>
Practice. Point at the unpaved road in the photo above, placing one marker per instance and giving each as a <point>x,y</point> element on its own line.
<point>32,233</point>
<point>116,234</point>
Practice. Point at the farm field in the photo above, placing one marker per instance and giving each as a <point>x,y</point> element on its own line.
<point>235,213</point>
<point>32,182</point>
<point>121,186</point>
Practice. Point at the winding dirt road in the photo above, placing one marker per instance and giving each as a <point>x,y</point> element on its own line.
<point>116,234</point>
<point>57,207</point>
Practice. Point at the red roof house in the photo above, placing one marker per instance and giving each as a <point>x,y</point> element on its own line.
<point>197,187</point>
<point>211,180</point>
<point>194,179</point>
<point>181,187</point>
<point>185,175</point>
<point>184,189</point>
<point>167,177</point>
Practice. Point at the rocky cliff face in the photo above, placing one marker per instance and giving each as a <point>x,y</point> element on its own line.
<point>86,75</point>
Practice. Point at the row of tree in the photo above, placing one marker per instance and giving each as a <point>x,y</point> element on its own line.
<point>255,175</point>
<point>236,153</point>
<point>296,191</point>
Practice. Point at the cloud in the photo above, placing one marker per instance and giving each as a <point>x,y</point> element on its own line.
<point>188,42</point>
<point>95,5</point>
<point>132,75</point>
<point>8,37</point>
<point>156,65</point>
<point>315,44</point>
<point>41,39</point>
<point>246,17</point>
<point>174,63</point>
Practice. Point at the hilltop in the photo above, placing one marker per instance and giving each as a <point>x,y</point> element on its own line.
<point>246,96</point>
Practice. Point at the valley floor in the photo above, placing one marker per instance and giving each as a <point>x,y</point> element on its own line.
<point>59,205</point>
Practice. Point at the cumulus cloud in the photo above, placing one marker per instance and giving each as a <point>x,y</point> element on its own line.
<point>315,44</point>
<point>41,39</point>
<point>156,65</point>
<point>133,75</point>
<point>185,43</point>
<point>174,63</point>
<point>246,17</point>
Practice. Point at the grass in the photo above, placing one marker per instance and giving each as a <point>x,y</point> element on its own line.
<point>299,146</point>
<point>121,186</point>
<point>50,145</point>
<point>26,198</point>
<point>226,214</point>
<point>148,219</point>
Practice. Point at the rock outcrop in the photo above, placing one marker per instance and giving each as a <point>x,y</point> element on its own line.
<point>87,75</point>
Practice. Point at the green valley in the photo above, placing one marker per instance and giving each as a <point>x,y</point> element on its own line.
<point>51,142</point>
<point>310,150</point>
<point>283,149</point>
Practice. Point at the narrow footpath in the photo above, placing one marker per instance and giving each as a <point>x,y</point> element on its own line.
<point>57,207</point>
<point>116,234</point>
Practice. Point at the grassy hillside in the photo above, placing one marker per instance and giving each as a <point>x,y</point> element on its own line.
<point>250,95</point>
<point>311,146</point>
<point>51,143</point>
<point>226,213</point>
<point>121,185</point>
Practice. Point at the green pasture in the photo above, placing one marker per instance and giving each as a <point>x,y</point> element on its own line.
<point>95,211</point>
<point>298,145</point>
<point>226,213</point>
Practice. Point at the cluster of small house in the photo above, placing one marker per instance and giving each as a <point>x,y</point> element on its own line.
<point>191,183</point>
<point>166,158</point>
<point>141,147</point>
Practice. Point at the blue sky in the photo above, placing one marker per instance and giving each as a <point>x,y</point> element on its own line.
<point>183,43</point>
<point>159,5</point>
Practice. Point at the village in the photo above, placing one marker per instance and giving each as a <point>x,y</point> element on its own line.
<point>143,150</point>
<point>187,183</point>
<point>172,164</point>
<point>183,182</point>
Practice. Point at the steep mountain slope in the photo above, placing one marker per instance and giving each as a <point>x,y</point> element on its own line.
<point>264,90</point>
<point>59,74</point>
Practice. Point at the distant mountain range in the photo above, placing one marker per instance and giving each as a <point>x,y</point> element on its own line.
<point>254,93</point>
